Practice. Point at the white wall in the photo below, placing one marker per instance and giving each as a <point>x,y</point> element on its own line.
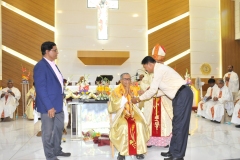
<point>205,37</point>
<point>0,41</point>
<point>76,30</point>
<point>237,19</point>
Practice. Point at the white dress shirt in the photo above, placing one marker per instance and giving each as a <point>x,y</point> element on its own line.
<point>165,79</point>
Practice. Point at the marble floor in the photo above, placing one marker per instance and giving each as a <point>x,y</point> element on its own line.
<point>208,141</point>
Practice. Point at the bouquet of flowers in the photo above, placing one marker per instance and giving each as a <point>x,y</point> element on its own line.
<point>90,135</point>
<point>25,74</point>
<point>103,90</point>
<point>188,78</point>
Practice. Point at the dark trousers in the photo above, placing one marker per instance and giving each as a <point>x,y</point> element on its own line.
<point>182,106</point>
<point>52,129</point>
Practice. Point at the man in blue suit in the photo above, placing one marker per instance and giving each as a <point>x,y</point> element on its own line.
<point>49,101</point>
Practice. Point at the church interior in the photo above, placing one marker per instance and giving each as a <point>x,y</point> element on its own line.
<point>99,40</point>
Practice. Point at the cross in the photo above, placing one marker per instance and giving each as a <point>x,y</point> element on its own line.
<point>102,6</point>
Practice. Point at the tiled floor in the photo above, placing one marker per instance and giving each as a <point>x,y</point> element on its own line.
<point>209,141</point>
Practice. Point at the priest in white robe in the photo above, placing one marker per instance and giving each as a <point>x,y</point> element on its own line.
<point>30,103</point>
<point>205,100</point>
<point>9,100</point>
<point>236,111</point>
<point>222,100</point>
<point>232,81</point>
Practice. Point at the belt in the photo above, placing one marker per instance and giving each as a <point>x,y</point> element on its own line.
<point>180,89</point>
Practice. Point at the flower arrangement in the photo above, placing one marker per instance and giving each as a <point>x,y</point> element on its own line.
<point>25,74</point>
<point>90,135</point>
<point>103,89</point>
<point>83,85</point>
<point>187,78</point>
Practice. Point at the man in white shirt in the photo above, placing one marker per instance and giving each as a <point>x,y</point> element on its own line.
<point>158,110</point>
<point>205,100</point>
<point>231,81</point>
<point>222,99</point>
<point>173,85</point>
<point>9,100</point>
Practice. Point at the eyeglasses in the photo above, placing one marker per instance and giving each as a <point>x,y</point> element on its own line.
<point>127,79</point>
<point>55,50</point>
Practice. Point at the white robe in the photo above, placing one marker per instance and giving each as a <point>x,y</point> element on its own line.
<point>225,102</point>
<point>235,118</point>
<point>233,84</point>
<point>201,112</point>
<point>11,104</point>
<point>166,108</point>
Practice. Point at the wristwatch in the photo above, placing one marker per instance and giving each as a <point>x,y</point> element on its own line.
<point>138,100</point>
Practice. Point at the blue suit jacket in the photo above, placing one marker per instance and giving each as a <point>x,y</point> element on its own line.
<point>49,92</point>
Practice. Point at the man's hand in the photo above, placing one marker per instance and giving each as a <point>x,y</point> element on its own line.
<point>134,100</point>
<point>210,97</point>
<point>215,99</point>
<point>127,90</point>
<point>140,92</point>
<point>51,113</point>
<point>2,95</point>
<point>12,93</point>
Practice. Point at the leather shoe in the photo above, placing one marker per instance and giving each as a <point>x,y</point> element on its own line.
<point>237,126</point>
<point>64,154</point>
<point>172,158</point>
<point>166,154</point>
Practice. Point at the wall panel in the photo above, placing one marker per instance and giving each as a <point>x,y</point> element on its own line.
<point>160,11</point>
<point>43,9</point>
<point>230,46</point>
<point>25,37</point>
<point>175,37</point>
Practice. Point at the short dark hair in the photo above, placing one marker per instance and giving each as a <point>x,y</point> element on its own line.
<point>47,46</point>
<point>148,59</point>
<point>211,80</point>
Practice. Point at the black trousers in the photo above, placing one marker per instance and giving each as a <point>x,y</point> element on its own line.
<point>182,106</point>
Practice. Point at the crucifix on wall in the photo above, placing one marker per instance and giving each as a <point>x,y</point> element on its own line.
<point>102,14</point>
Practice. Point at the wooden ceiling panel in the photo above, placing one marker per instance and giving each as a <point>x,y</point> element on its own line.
<point>181,65</point>
<point>23,35</point>
<point>43,10</point>
<point>160,11</point>
<point>175,38</point>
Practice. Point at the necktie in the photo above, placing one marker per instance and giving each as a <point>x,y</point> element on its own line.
<point>211,92</point>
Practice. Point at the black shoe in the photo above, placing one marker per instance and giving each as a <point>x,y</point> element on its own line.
<point>149,146</point>
<point>172,158</point>
<point>216,121</point>
<point>237,126</point>
<point>140,156</point>
<point>120,157</point>
<point>166,154</point>
<point>64,154</point>
<point>167,146</point>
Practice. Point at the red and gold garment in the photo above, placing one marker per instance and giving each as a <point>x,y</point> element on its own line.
<point>129,132</point>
